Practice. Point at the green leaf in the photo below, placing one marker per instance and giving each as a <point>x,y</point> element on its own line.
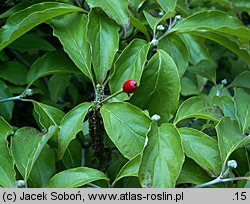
<point>168,6</point>
<point>57,92</point>
<point>31,42</point>
<point>116,9</point>
<point>242,107</point>
<point>230,137</point>
<point>20,6</point>
<point>43,169</point>
<point>205,69</point>
<point>6,108</point>
<point>152,21</point>
<point>197,107</point>
<point>14,72</point>
<point>47,115</point>
<point>46,65</point>
<point>104,42</point>
<point>226,104</point>
<point>70,125</point>
<point>159,90</point>
<point>127,127</point>
<point>212,20</point>
<point>129,65</point>
<point>242,80</point>
<point>71,29</point>
<point>73,178</point>
<point>197,48</point>
<point>73,155</point>
<point>192,173</point>
<point>140,26</point>
<point>131,168</point>
<point>226,41</point>
<point>202,148</point>
<point>7,172</point>
<point>26,146</point>
<point>162,157</point>
<point>24,20</point>
<point>175,46</point>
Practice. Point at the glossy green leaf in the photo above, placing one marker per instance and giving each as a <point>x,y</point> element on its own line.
<point>215,21</point>
<point>152,21</point>
<point>116,9</point>
<point>230,137</point>
<point>7,172</point>
<point>26,146</point>
<point>168,6</point>
<point>46,65</point>
<point>191,172</point>
<point>104,42</point>
<point>242,107</point>
<point>242,80</point>
<point>9,70</point>
<point>162,157</point>
<point>57,92</point>
<point>24,20</point>
<point>205,69</point>
<point>20,6</point>
<point>175,46</point>
<point>47,115</point>
<point>31,42</point>
<point>70,125</point>
<point>71,29</point>
<point>127,127</point>
<point>198,107</point>
<point>43,169</point>
<point>140,26</point>
<point>6,108</point>
<point>73,178</point>
<point>129,65</point>
<point>159,89</point>
<point>131,168</point>
<point>202,148</point>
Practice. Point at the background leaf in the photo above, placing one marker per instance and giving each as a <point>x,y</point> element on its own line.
<point>45,66</point>
<point>9,70</point>
<point>6,108</point>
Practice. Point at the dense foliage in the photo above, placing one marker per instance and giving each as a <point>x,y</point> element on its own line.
<point>65,121</point>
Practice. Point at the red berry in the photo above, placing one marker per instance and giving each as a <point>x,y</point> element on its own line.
<point>130,86</point>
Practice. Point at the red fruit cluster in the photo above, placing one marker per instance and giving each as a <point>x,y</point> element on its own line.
<point>130,86</point>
